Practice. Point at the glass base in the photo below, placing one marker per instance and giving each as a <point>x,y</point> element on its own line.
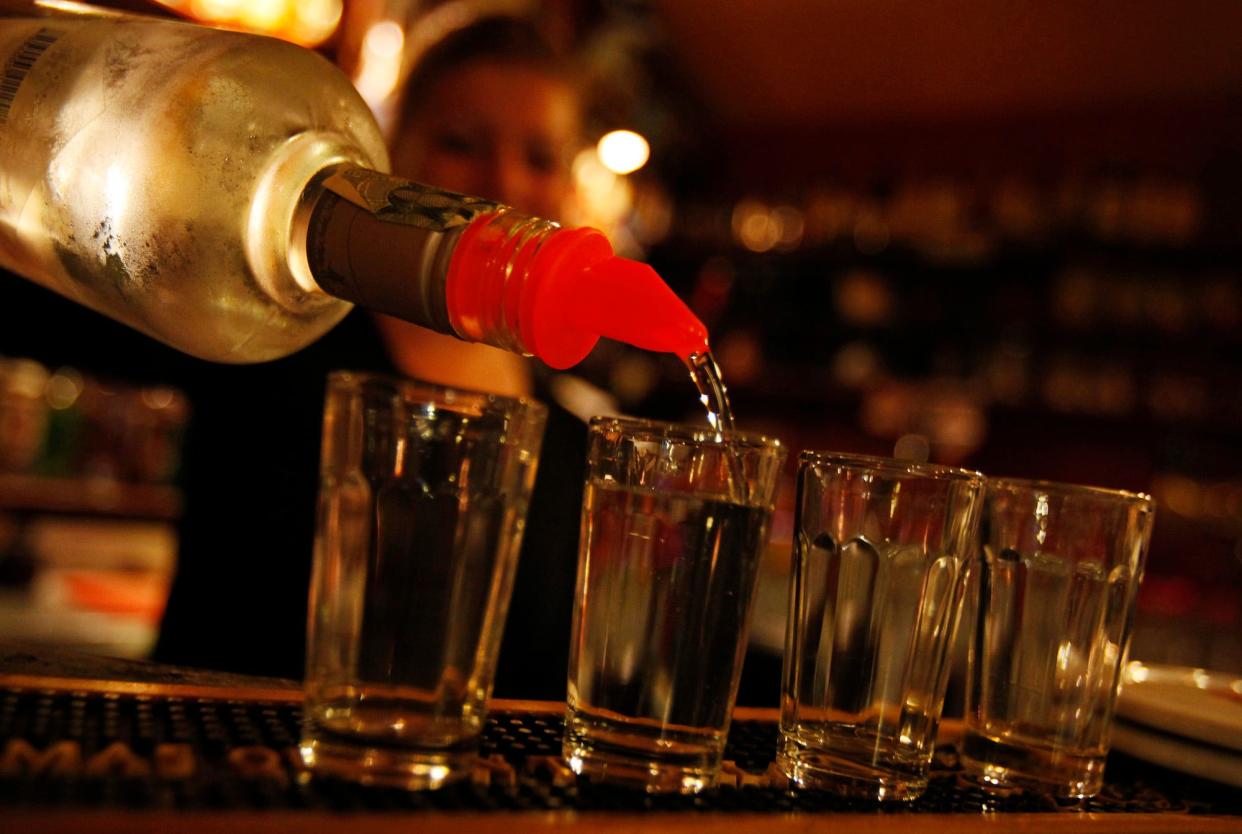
<point>827,771</point>
<point>390,767</point>
<point>639,755</point>
<point>1003,767</point>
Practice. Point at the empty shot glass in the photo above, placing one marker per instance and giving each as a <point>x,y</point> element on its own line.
<point>674,522</point>
<point>882,550</point>
<point>423,496</point>
<point>1056,589</point>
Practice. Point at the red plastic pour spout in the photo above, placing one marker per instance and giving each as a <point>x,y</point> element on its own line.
<point>593,291</point>
<point>563,292</point>
<point>628,301</point>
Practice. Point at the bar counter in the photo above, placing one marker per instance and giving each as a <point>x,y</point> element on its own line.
<point>92,744</point>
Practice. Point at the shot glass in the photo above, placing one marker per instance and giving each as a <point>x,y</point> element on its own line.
<point>882,553</point>
<point>674,522</point>
<point>1061,568</point>
<point>422,502</point>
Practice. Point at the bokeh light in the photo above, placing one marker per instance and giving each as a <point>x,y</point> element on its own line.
<point>623,151</point>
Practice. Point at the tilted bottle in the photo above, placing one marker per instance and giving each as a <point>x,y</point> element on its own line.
<point>223,193</point>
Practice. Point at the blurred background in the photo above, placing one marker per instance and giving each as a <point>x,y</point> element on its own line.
<point>1006,235</point>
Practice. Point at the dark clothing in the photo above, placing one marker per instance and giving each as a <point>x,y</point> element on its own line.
<point>534,655</point>
<point>250,478</point>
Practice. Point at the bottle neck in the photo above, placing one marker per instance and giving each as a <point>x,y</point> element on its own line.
<point>381,242</point>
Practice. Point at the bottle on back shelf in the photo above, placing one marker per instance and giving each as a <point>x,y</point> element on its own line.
<point>224,193</point>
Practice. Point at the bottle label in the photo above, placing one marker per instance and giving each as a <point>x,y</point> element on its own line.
<point>384,242</point>
<point>395,200</point>
<point>19,64</point>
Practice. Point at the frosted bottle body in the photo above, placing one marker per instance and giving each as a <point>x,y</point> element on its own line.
<point>152,170</point>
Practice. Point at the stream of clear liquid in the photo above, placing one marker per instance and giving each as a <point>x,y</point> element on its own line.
<point>705,374</point>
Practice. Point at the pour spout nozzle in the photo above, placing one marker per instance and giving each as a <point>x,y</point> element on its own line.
<point>628,301</point>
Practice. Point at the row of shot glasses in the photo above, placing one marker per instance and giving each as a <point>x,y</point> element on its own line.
<point>422,505</point>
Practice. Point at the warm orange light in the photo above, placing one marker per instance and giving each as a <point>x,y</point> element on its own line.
<point>215,10</point>
<point>379,65</point>
<point>305,22</point>
<point>264,15</point>
<point>71,7</point>
<point>315,20</point>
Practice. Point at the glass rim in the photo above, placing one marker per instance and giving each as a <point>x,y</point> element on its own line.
<point>421,389</point>
<point>889,466</point>
<point>688,432</point>
<point>1062,489</point>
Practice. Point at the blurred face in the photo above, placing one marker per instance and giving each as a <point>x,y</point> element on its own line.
<point>498,130</point>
